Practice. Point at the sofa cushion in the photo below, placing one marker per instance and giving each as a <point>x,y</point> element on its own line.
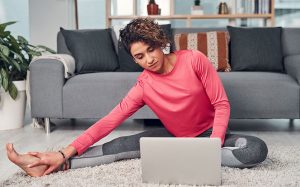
<point>261,94</point>
<point>126,62</point>
<point>93,50</point>
<point>255,49</point>
<point>213,44</point>
<point>101,92</point>
<point>61,45</point>
<point>251,94</point>
<point>168,31</point>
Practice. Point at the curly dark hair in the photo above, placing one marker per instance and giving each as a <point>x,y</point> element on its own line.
<point>143,30</point>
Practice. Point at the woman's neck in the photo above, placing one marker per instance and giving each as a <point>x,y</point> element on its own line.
<point>169,62</point>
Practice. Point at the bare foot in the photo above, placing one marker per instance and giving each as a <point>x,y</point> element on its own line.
<point>22,160</point>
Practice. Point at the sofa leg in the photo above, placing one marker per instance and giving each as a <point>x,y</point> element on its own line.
<point>73,121</point>
<point>37,123</point>
<point>47,125</point>
<point>291,124</point>
<point>43,123</point>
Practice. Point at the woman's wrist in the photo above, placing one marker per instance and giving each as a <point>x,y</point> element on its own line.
<point>64,165</point>
<point>63,155</point>
<point>69,152</point>
<point>66,153</point>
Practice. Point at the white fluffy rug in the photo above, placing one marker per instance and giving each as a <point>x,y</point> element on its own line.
<point>281,168</point>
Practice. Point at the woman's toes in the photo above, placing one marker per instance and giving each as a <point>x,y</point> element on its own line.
<point>22,160</point>
<point>11,153</point>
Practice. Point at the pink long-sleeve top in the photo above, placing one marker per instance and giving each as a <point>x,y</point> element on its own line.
<point>188,100</point>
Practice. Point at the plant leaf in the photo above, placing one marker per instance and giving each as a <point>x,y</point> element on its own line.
<point>4,58</point>
<point>46,49</point>
<point>4,79</point>
<point>3,25</point>
<point>34,53</point>
<point>24,67</point>
<point>4,34</point>
<point>22,40</point>
<point>4,50</point>
<point>0,80</point>
<point>18,56</point>
<point>14,43</point>
<point>16,64</point>
<point>13,91</point>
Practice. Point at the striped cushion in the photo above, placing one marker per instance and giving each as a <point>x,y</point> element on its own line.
<point>213,44</point>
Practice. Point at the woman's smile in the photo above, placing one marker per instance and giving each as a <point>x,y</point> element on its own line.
<point>153,65</point>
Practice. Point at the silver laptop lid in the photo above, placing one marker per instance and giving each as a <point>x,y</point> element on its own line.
<point>195,161</point>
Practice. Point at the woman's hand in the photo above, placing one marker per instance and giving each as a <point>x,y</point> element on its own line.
<point>52,159</point>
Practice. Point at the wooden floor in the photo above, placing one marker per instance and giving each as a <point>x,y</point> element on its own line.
<point>33,139</point>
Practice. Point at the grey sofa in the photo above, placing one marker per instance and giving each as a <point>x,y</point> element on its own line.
<point>251,94</point>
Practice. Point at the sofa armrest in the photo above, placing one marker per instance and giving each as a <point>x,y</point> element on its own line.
<point>46,88</point>
<point>292,66</point>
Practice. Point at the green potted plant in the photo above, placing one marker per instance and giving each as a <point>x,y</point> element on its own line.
<point>15,56</point>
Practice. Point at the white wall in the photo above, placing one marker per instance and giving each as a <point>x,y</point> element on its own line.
<point>45,18</point>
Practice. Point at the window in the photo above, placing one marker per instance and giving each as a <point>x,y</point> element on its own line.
<point>91,14</point>
<point>16,10</point>
<point>287,13</point>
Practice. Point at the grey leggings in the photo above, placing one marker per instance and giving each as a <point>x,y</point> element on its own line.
<point>238,150</point>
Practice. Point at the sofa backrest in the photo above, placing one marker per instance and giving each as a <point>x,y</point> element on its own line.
<point>290,39</point>
<point>63,49</point>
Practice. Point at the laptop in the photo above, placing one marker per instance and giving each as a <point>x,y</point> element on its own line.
<point>170,160</point>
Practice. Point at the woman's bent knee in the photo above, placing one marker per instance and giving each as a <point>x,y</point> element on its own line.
<point>243,151</point>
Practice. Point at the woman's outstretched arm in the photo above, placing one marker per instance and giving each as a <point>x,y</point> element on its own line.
<point>43,163</point>
<point>128,106</point>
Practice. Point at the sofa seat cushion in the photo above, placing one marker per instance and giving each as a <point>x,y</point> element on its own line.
<point>261,94</point>
<point>251,94</point>
<point>94,95</point>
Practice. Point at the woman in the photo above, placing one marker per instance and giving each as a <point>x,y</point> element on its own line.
<point>183,90</point>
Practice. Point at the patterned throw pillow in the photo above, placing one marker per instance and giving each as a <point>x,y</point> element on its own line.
<point>213,44</point>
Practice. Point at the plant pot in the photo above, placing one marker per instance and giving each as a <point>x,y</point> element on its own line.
<point>152,9</point>
<point>12,112</point>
